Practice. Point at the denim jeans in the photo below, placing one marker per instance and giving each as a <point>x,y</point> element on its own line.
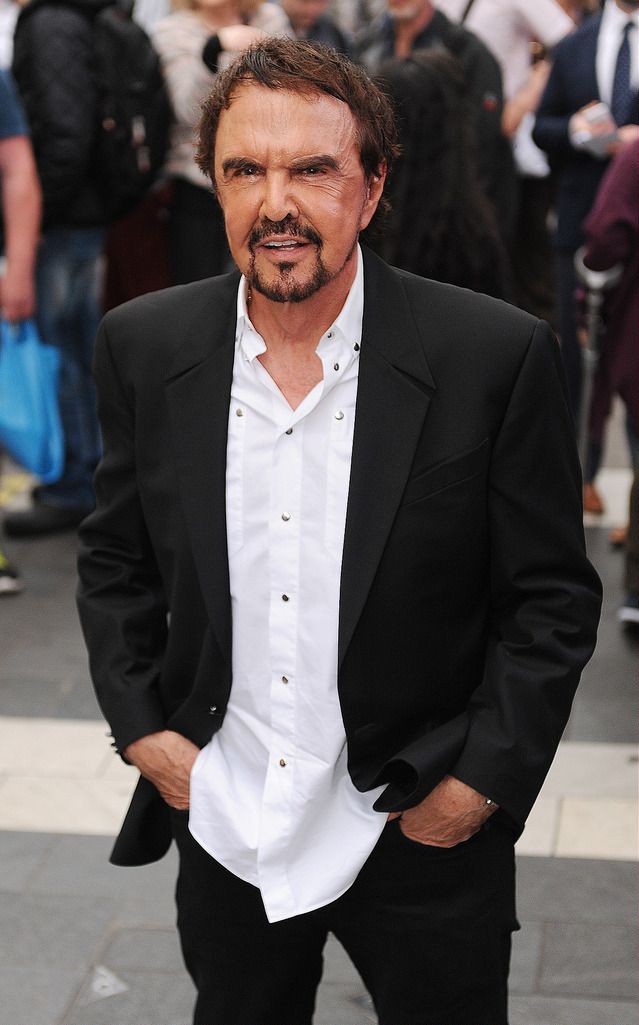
<point>68,296</point>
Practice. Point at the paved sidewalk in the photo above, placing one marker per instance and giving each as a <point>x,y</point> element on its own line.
<point>84,943</point>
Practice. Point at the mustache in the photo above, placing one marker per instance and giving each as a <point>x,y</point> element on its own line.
<point>287,226</point>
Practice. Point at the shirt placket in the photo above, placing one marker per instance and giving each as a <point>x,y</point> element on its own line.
<point>284,544</point>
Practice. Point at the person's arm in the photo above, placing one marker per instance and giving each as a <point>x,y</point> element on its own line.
<point>526,99</point>
<point>21,207</point>
<point>545,595</point>
<point>552,124</point>
<point>612,227</point>
<point>121,600</point>
<point>545,600</point>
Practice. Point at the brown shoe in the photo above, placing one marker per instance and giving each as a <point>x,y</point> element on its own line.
<point>618,537</point>
<point>592,500</point>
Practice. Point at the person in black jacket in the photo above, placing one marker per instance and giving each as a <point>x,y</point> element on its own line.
<point>53,57</point>
<point>441,225</point>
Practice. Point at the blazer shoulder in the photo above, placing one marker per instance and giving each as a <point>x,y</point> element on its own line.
<point>171,304</point>
<point>462,307</point>
<point>579,45</point>
<point>145,334</point>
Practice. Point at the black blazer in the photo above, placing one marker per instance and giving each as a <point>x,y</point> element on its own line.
<point>467,608</point>
<point>571,85</point>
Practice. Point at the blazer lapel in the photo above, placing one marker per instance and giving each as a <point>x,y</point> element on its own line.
<point>198,391</point>
<point>393,395</point>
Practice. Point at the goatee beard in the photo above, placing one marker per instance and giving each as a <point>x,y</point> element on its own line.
<point>284,289</point>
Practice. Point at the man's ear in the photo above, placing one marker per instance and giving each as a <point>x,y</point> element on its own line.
<point>374,190</point>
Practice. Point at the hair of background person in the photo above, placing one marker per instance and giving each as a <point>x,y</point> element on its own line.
<point>441,224</point>
<point>245,8</point>
<point>310,69</point>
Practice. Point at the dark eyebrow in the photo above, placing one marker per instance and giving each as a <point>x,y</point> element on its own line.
<point>320,160</point>
<point>237,164</point>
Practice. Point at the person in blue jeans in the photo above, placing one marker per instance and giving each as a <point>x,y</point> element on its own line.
<point>52,61</point>
<point>19,228</point>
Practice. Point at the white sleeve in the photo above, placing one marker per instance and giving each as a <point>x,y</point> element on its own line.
<point>546,20</point>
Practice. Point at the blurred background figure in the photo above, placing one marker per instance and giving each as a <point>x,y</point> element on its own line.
<point>612,237</point>
<point>9,11</point>
<point>440,225</point>
<point>197,38</point>
<point>409,25</point>
<point>19,228</point>
<point>588,111</point>
<point>52,63</point>
<point>147,13</point>
<point>309,20</point>
<point>521,35</point>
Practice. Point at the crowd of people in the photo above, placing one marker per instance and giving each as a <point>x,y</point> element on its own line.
<point>501,162</point>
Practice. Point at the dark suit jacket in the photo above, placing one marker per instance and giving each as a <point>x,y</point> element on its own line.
<point>572,84</point>
<point>467,608</point>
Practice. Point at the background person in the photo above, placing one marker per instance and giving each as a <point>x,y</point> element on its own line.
<point>199,31</point>
<point>510,28</point>
<point>340,481</point>
<point>612,237</point>
<point>441,225</point>
<point>19,230</point>
<point>53,68</point>
<point>599,62</point>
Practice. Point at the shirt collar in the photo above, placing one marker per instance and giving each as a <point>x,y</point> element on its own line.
<point>615,19</point>
<point>340,342</point>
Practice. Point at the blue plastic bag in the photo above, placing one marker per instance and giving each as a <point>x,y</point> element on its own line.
<point>30,426</point>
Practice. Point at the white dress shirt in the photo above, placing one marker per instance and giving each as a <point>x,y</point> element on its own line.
<point>613,22</point>
<point>271,798</point>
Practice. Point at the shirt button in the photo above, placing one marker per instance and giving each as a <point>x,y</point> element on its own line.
<point>285,679</point>
<point>286,517</point>
<point>356,347</point>
<point>339,415</point>
<point>282,762</point>
<point>212,709</point>
<point>239,412</point>
<point>289,431</point>
<point>335,366</point>
<point>330,334</point>
<point>284,597</point>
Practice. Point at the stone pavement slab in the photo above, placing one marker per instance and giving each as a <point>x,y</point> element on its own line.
<point>32,995</point>
<point>548,1011</point>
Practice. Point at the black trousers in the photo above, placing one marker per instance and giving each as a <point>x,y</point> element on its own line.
<point>428,930</point>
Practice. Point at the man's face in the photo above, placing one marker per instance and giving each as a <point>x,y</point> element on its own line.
<point>407,10</point>
<point>292,188</point>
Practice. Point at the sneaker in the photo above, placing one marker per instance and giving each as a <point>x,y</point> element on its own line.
<point>629,611</point>
<point>10,582</point>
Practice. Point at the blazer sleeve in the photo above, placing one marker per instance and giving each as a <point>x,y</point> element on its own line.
<point>121,600</point>
<point>555,110</point>
<point>545,595</point>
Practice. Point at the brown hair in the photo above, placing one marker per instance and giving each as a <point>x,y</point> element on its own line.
<point>301,66</point>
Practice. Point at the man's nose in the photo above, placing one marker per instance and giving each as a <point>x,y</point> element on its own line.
<point>278,200</point>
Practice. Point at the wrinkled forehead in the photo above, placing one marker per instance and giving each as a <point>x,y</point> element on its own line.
<point>258,117</point>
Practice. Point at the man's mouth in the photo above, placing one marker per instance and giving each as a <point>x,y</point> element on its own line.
<point>287,245</point>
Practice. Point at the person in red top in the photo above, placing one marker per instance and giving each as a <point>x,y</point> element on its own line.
<point>612,236</point>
